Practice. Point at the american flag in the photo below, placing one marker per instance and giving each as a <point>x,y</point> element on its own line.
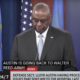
<point>26,12</point>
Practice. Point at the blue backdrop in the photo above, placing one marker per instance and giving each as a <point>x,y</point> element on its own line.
<point>11,24</point>
<point>73,25</point>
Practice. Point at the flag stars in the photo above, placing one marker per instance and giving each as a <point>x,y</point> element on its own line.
<point>24,22</point>
<point>26,3</point>
<point>30,17</point>
<point>21,7</point>
<point>25,9</point>
<point>30,24</point>
<point>30,11</point>
<point>30,4</point>
<point>22,1</point>
<point>23,28</point>
<point>25,16</point>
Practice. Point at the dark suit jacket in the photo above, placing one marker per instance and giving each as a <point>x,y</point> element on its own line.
<point>58,46</point>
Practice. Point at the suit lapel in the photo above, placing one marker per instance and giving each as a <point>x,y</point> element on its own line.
<point>49,40</point>
<point>33,45</point>
<point>47,45</point>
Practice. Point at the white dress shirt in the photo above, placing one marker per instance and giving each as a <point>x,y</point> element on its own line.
<point>44,34</point>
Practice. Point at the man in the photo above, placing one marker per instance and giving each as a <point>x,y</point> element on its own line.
<point>54,44</point>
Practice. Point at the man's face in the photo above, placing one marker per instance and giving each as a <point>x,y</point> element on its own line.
<point>40,20</point>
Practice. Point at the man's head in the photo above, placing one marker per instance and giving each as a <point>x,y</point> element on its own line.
<point>41,17</point>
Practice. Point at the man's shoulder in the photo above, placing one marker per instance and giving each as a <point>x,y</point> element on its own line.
<point>25,33</point>
<point>59,32</point>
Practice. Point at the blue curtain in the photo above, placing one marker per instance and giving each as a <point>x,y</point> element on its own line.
<point>73,25</point>
<point>10,10</point>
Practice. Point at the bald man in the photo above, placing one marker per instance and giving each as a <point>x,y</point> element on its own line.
<point>52,45</point>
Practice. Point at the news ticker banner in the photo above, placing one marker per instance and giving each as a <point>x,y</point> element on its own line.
<point>22,65</point>
<point>44,75</point>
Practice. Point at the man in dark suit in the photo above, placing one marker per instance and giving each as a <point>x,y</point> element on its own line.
<point>57,45</point>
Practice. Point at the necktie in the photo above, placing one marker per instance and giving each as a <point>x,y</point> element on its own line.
<point>40,46</point>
